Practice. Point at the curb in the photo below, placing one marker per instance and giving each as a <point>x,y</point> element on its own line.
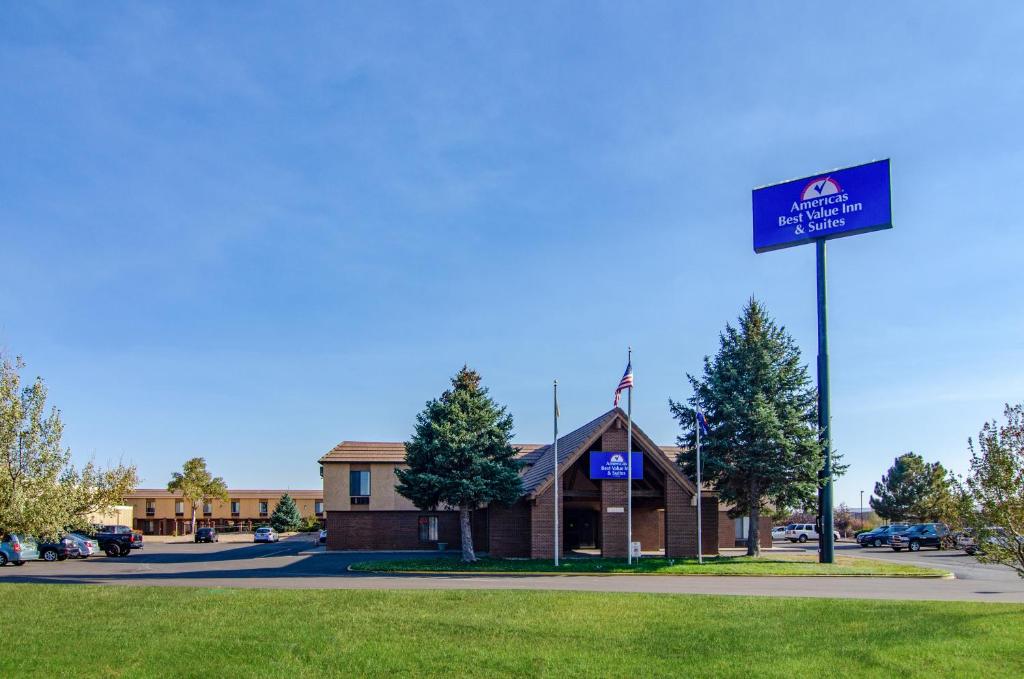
<point>929,576</point>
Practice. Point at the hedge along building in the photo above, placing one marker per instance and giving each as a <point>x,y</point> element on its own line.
<point>365,512</point>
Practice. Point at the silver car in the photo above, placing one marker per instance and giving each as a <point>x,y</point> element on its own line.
<point>86,545</point>
<point>265,534</point>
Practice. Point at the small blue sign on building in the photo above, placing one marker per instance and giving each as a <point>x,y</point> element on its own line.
<point>828,205</point>
<point>605,465</point>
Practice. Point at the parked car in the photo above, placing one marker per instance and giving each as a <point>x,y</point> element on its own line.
<point>265,534</point>
<point>17,549</point>
<point>779,533</point>
<point>117,540</point>
<point>86,545</point>
<point>993,535</point>
<point>59,550</point>
<point>206,535</point>
<point>880,536</point>
<point>323,536</point>
<point>802,532</point>
<point>921,535</point>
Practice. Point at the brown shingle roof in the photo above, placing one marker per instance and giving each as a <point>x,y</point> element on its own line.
<point>543,462</point>
<point>389,451</point>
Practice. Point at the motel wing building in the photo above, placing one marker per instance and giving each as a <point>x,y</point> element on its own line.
<point>158,511</point>
<point>365,512</point>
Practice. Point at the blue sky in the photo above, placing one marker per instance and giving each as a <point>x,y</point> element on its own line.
<point>248,232</point>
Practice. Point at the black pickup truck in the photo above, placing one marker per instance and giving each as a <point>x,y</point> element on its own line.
<point>117,540</point>
<point>922,535</point>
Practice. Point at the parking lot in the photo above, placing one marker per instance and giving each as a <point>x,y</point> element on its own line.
<point>297,562</point>
<point>963,566</point>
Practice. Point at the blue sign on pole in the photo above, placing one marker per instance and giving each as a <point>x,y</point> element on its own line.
<point>828,205</point>
<point>613,465</point>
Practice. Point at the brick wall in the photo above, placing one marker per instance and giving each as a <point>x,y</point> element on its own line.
<point>709,525</point>
<point>613,494</point>
<point>727,532</point>
<point>542,525</point>
<point>614,440</point>
<point>649,528</point>
<point>510,530</point>
<point>764,532</point>
<point>613,524</point>
<point>388,530</point>
<point>680,521</point>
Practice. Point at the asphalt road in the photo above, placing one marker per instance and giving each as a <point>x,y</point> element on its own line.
<point>296,563</point>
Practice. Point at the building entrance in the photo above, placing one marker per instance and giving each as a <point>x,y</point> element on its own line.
<point>581,528</point>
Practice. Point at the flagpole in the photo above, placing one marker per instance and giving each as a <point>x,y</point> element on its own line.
<point>700,544</point>
<point>629,466</point>
<point>556,484</point>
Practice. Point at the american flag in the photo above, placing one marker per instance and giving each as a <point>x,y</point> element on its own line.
<point>625,383</point>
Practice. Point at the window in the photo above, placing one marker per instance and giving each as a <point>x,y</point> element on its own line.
<point>179,508</point>
<point>428,528</point>
<point>236,507</point>
<point>359,484</point>
<point>264,507</point>
<point>207,508</point>
<point>150,507</point>
<point>318,507</point>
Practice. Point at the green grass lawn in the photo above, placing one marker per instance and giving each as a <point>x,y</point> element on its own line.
<point>59,630</point>
<point>787,564</point>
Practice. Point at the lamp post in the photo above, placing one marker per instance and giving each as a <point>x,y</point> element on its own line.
<point>862,510</point>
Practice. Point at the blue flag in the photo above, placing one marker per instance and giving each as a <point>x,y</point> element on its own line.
<point>702,423</point>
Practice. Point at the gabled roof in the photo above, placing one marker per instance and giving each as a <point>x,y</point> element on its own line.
<point>577,441</point>
<point>540,475</point>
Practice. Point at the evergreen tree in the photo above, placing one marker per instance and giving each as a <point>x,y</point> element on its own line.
<point>460,455</point>
<point>913,489</point>
<point>196,484</point>
<point>762,448</point>
<point>286,516</point>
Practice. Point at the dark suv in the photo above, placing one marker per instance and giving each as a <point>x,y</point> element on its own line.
<point>207,535</point>
<point>921,535</point>
<point>880,536</point>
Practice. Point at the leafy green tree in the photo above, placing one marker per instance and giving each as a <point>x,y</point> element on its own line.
<point>460,455</point>
<point>762,447</point>
<point>286,516</point>
<point>41,492</point>
<point>994,507</point>
<point>913,489</point>
<point>196,484</point>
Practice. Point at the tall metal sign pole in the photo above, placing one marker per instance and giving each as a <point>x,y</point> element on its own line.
<point>843,202</point>
<point>825,537</point>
